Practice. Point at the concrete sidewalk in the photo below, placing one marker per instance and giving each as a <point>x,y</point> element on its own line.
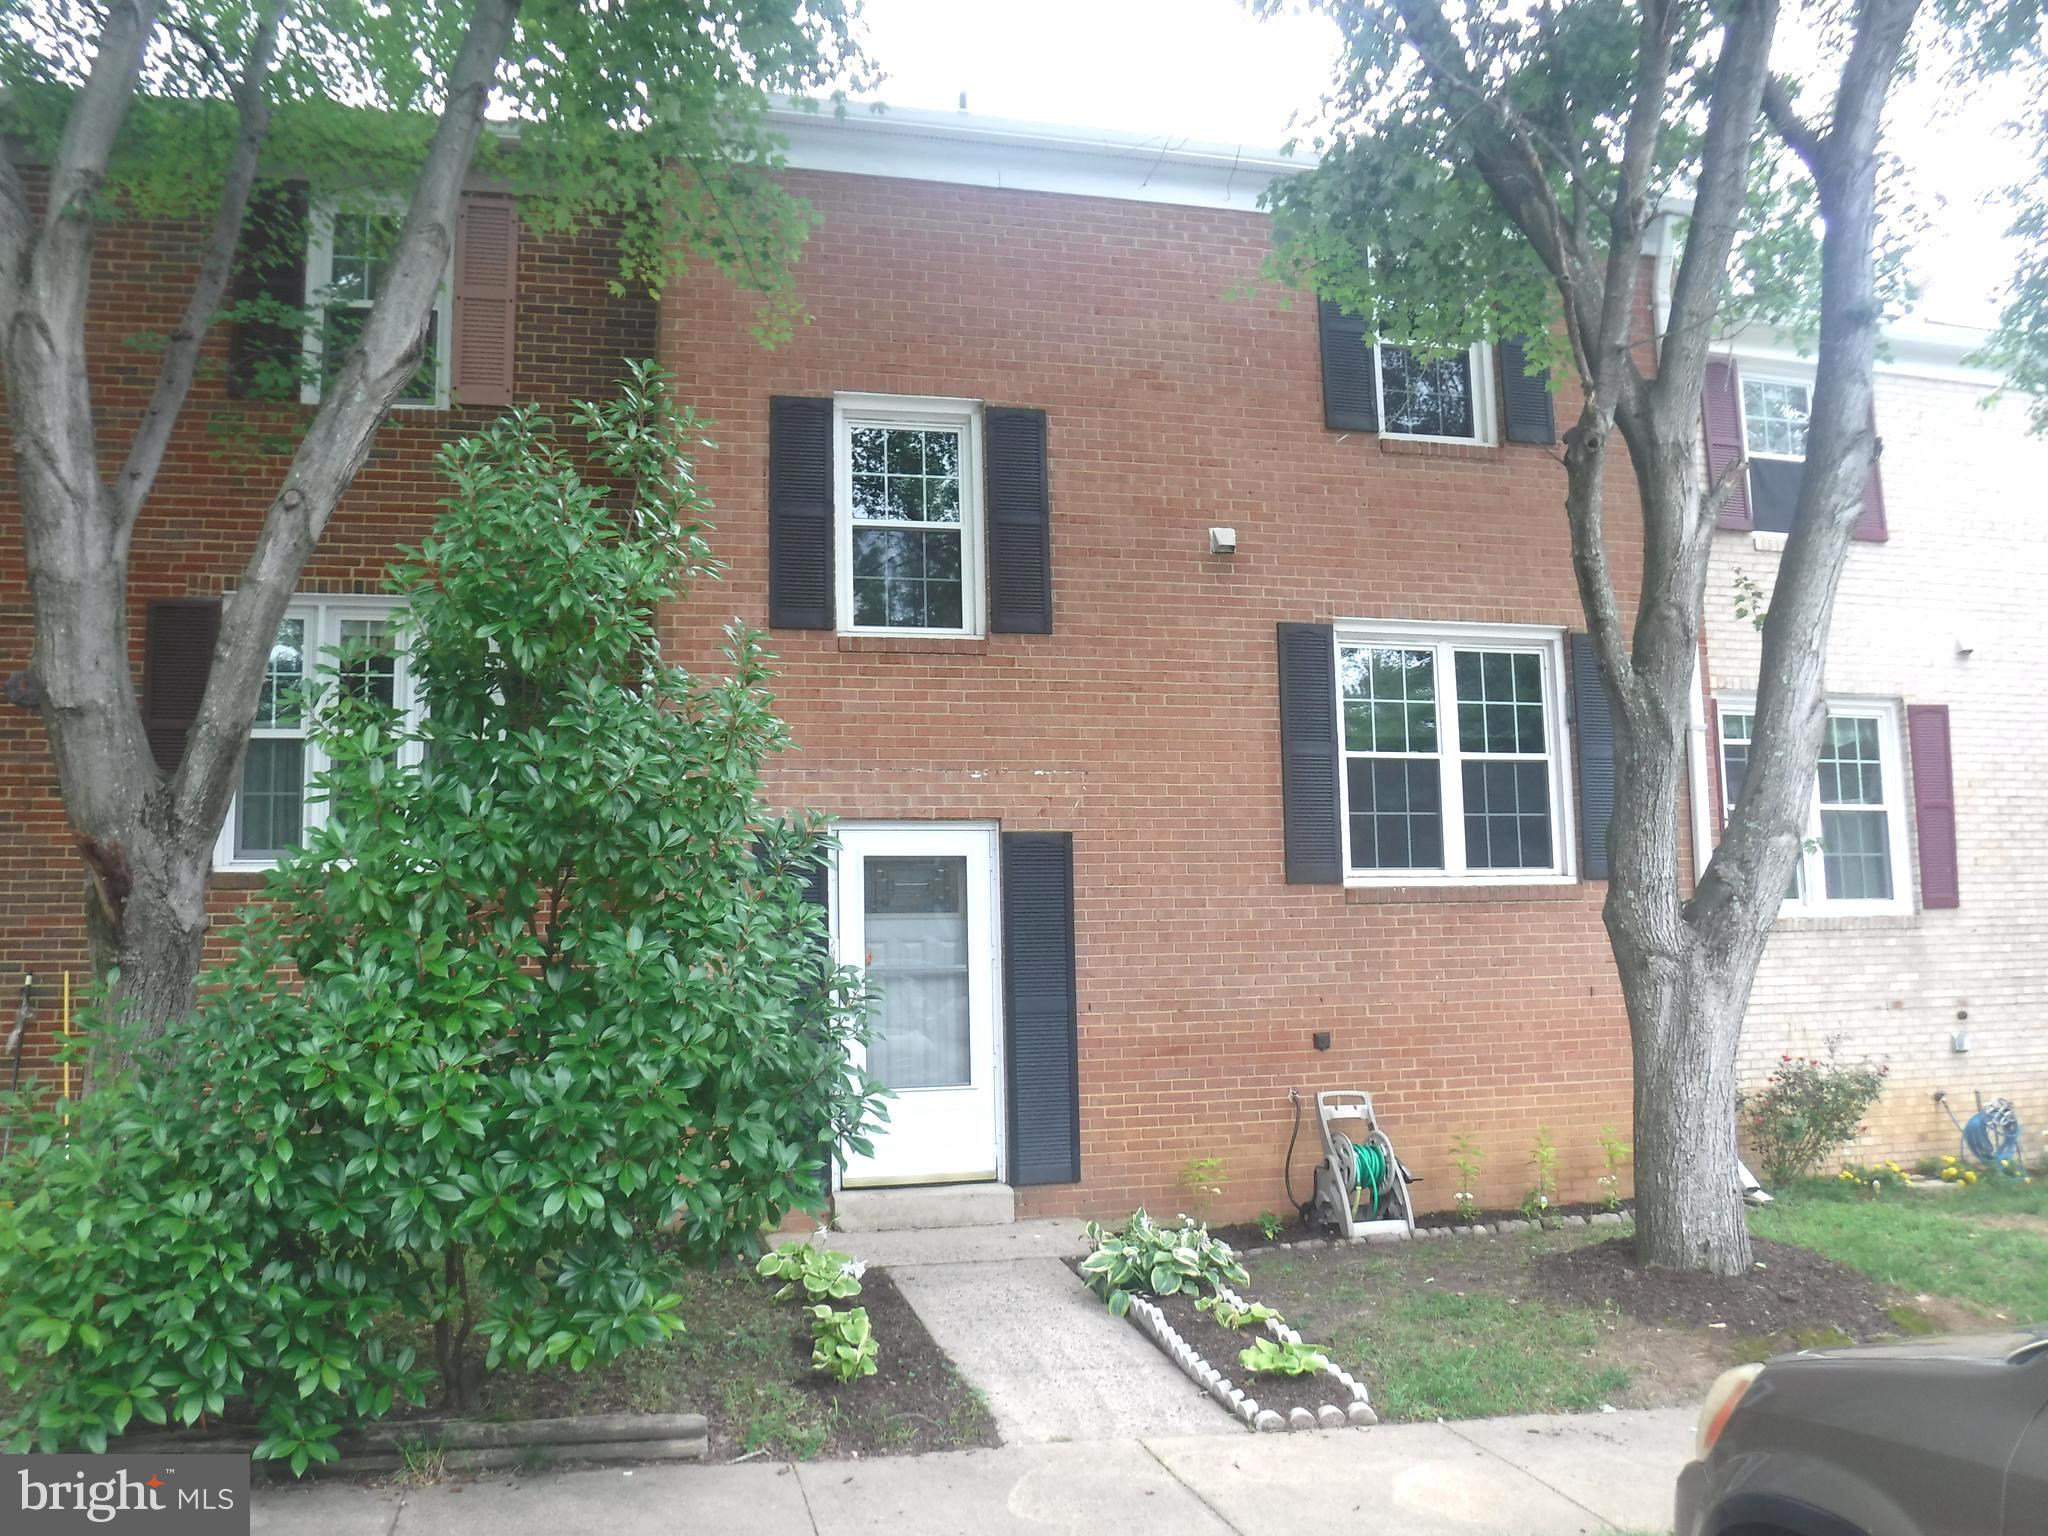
<point>1567,1475</point>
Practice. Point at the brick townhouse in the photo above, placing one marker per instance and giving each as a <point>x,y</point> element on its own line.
<point>1193,687</point>
<point>1916,931</point>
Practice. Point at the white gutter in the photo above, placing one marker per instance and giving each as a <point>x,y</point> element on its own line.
<point>963,149</point>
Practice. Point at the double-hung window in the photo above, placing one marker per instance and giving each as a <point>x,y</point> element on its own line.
<point>348,255</point>
<point>910,520</point>
<point>1774,416</point>
<point>1853,855</point>
<point>1454,759</point>
<point>1442,397</point>
<point>273,805</point>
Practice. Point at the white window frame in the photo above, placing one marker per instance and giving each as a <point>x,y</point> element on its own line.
<point>323,616</point>
<point>1485,410</point>
<point>1549,645</point>
<point>1812,899</point>
<point>320,277</point>
<point>1745,376</point>
<point>912,412</point>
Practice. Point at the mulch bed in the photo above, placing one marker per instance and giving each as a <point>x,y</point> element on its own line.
<point>915,1402</point>
<point>1220,1346</point>
<point>1243,1235</point>
<point>1790,1291</point>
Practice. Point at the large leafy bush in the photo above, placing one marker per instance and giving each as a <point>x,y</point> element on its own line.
<point>540,1013</point>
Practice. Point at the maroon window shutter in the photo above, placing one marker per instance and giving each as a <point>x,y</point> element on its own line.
<point>486,295</point>
<point>1722,402</point>
<point>177,654</point>
<point>1934,803</point>
<point>1871,524</point>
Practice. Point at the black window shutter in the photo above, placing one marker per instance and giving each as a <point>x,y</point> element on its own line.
<point>800,530</point>
<point>1529,415</point>
<point>264,351</point>
<point>1041,1013</point>
<point>1308,754</point>
<point>1019,522</point>
<point>1350,400</point>
<point>1593,735</point>
<point>177,654</point>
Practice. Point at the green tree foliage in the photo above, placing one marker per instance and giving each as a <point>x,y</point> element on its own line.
<point>645,121</point>
<point>539,1014</point>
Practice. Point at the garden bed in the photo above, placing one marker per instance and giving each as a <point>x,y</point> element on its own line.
<point>1790,1292</point>
<point>1221,1346</point>
<point>745,1363</point>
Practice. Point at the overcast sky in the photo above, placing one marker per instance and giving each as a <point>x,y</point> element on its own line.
<point>1209,70</point>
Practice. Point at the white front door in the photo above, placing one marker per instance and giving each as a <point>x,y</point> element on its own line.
<point>914,908</point>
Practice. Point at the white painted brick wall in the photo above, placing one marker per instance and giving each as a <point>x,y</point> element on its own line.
<point>1966,499</point>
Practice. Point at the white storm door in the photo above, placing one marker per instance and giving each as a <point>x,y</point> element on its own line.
<point>915,911</point>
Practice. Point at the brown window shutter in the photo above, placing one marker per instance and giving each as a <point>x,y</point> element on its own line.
<point>1934,804</point>
<point>486,298</point>
<point>177,654</point>
<point>267,294</point>
<point>1721,400</point>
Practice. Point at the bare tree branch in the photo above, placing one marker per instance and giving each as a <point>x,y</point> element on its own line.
<point>1717,211</point>
<point>216,262</point>
<point>353,405</point>
<point>1798,135</point>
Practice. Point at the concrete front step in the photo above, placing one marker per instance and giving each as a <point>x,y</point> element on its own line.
<point>913,1207</point>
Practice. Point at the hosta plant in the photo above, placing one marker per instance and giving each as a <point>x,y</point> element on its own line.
<point>1149,1258</point>
<point>842,1343</point>
<point>821,1274</point>
<point>1271,1357</point>
<point>1228,1316</point>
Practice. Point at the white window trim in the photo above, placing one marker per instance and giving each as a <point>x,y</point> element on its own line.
<point>1485,410</point>
<point>1776,374</point>
<point>320,277</point>
<point>323,615</point>
<point>911,411</point>
<point>1813,900</point>
<point>1550,644</point>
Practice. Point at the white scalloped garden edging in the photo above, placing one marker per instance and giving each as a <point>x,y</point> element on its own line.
<point>1356,1409</point>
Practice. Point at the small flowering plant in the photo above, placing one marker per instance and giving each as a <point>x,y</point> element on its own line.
<point>1466,1158</point>
<point>1878,1177</point>
<point>1808,1108</point>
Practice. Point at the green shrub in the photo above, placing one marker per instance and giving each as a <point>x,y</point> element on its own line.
<point>1807,1109</point>
<point>1542,1194</point>
<point>1228,1316</point>
<point>513,1036</point>
<point>1145,1257</point>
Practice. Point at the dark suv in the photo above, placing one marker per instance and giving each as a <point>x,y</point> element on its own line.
<point>1934,1437</point>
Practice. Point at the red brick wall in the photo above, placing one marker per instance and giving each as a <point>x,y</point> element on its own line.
<point>201,521</point>
<point>1147,724</point>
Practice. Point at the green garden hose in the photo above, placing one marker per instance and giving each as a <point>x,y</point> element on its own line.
<point>1370,1165</point>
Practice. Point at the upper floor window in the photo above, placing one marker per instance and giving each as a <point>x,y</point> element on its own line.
<point>1853,841</point>
<point>910,532</point>
<point>273,805</point>
<point>1774,417</point>
<point>1453,747</point>
<point>348,257</point>
<point>1447,398</point>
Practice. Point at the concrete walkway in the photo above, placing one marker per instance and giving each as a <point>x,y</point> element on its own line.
<point>1023,1330</point>
<point>1557,1476</point>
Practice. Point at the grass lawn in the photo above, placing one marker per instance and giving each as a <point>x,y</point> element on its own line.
<point>744,1361</point>
<point>1455,1329</point>
<point>1471,1327</point>
<point>1986,1245</point>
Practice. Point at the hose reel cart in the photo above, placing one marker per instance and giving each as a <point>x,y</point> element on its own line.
<point>1361,1188</point>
